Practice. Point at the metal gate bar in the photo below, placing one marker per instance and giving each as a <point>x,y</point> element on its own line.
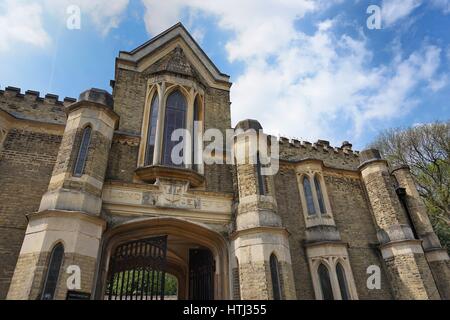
<point>133,265</point>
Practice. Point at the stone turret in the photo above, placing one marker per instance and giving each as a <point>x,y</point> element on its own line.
<point>69,211</point>
<point>403,255</point>
<point>259,233</point>
<point>437,256</point>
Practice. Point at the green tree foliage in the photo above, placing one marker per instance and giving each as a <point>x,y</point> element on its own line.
<point>425,149</point>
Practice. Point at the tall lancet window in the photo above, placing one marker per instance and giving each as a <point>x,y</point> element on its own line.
<point>83,152</point>
<point>196,147</point>
<point>309,196</point>
<point>54,266</point>
<point>322,207</point>
<point>325,282</point>
<point>151,134</point>
<point>342,281</point>
<point>274,271</point>
<point>175,118</point>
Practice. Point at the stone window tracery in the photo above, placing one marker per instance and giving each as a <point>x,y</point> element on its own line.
<point>332,275</point>
<point>315,203</point>
<point>175,104</point>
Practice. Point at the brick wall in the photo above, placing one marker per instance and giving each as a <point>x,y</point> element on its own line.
<point>26,164</point>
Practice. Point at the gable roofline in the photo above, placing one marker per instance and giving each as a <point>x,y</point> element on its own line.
<point>177,30</point>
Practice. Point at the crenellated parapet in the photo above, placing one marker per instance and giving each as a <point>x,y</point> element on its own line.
<point>31,106</point>
<point>344,157</point>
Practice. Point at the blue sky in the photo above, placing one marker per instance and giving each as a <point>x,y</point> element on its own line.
<point>306,69</point>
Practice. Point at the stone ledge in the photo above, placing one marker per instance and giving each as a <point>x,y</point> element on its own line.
<point>151,173</point>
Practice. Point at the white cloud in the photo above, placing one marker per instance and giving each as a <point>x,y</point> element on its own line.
<point>443,5</point>
<point>303,85</point>
<point>394,10</point>
<point>104,14</point>
<point>21,22</point>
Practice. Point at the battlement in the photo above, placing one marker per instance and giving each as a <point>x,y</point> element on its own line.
<point>31,95</point>
<point>31,106</point>
<point>344,157</point>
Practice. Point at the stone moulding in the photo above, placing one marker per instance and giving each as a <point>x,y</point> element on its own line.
<point>151,173</point>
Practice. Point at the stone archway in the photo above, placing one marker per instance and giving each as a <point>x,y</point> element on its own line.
<point>182,237</point>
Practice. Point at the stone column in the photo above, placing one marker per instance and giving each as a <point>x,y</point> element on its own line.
<point>70,210</point>
<point>436,256</point>
<point>407,268</point>
<point>259,232</point>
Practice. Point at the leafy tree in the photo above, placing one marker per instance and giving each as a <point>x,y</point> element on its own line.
<point>425,149</point>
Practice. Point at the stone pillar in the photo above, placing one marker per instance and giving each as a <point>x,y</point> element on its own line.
<point>407,268</point>
<point>436,256</point>
<point>259,232</point>
<point>70,210</point>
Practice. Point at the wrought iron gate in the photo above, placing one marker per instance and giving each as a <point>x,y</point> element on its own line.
<point>201,275</point>
<point>137,270</point>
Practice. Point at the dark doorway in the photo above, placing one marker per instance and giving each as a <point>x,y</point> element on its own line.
<point>201,274</point>
<point>137,270</point>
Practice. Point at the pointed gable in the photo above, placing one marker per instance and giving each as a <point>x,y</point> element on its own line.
<point>174,51</point>
<point>175,62</point>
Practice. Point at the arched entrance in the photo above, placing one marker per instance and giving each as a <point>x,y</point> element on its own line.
<point>137,255</point>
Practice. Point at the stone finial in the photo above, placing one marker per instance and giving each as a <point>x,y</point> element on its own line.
<point>249,124</point>
<point>369,155</point>
<point>98,96</point>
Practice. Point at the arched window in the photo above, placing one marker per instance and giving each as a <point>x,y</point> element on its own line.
<point>196,148</point>
<point>342,281</point>
<point>83,152</point>
<point>309,196</point>
<point>151,134</point>
<point>175,118</point>
<point>325,282</point>
<point>275,277</point>
<point>322,207</point>
<point>54,266</point>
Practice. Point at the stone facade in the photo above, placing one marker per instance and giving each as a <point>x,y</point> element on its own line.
<point>310,231</point>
